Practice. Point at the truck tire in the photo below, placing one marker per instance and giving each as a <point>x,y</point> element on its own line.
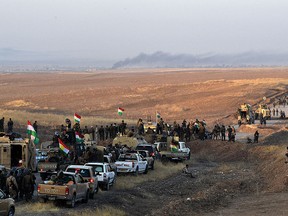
<point>91,195</point>
<point>136,172</point>
<point>85,200</point>
<point>164,160</point>
<point>11,211</point>
<point>72,202</point>
<point>146,170</point>
<point>107,186</point>
<point>42,200</point>
<point>152,166</point>
<point>189,156</point>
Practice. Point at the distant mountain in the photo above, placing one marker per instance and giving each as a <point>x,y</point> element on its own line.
<point>161,59</point>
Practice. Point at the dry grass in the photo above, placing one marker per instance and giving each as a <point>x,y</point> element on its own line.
<point>20,118</point>
<point>103,211</point>
<point>161,172</point>
<point>38,207</point>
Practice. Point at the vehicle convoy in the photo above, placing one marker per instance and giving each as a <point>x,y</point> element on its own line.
<point>106,176</point>
<point>245,114</point>
<point>131,163</point>
<point>88,175</point>
<point>173,150</point>
<point>7,205</point>
<point>262,112</point>
<point>69,187</point>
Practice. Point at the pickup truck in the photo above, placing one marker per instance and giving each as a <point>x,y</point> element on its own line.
<point>88,174</point>
<point>167,154</point>
<point>106,176</point>
<point>150,159</point>
<point>70,187</point>
<point>131,163</point>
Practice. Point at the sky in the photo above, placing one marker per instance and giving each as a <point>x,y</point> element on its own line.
<point>117,29</point>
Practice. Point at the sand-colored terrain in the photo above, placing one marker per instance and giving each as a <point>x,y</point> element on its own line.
<point>208,94</point>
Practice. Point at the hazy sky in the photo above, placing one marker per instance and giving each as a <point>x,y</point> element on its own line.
<point>116,29</point>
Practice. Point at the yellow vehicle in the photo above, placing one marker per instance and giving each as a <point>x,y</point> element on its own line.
<point>17,152</point>
<point>245,114</point>
<point>149,125</point>
<point>263,111</point>
<point>130,141</point>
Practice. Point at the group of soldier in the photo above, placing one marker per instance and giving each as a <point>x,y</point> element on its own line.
<point>18,183</point>
<point>10,124</point>
<point>219,132</point>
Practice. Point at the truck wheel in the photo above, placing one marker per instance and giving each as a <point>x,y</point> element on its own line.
<point>42,200</point>
<point>189,155</point>
<point>85,200</point>
<point>91,195</point>
<point>146,170</point>
<point>136,172</point>
<point>164,160</point>
<point>114,180</point>
<point>107,187</point>
<point>152,166</point>
<point>11,212</point>
<point>72,202</point>
<point>96,189</point>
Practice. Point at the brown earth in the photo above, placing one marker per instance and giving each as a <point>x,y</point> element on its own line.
<point>229,176</point>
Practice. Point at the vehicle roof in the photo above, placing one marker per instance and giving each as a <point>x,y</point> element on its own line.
<point>145,144</point>
<point>95,163</point>
<point>78,167</point>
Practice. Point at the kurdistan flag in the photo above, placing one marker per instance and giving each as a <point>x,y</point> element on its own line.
<point>77,118</point>
<point>158,115</point>
<point>79,137</point>
<point>63,147</point>
<point>120,111</point>
<point>31,131</point>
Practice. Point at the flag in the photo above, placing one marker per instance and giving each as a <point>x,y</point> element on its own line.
<point>31,131</point>
<point>63,147</point>
<point>79,137</point>
<point>158,115</point>
<point>120,111</point>
<point>77,118</point>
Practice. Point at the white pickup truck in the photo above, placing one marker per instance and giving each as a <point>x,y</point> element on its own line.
<point>105,174</point>
<point>131,163</point>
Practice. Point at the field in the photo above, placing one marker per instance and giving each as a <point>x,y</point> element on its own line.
<point>229,177</point>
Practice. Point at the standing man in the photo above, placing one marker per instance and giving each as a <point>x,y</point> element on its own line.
<point>35,126</point>
<point>2,125</point>
<point>256,136</point>
<point>10,126</point>
<point>223,131</point>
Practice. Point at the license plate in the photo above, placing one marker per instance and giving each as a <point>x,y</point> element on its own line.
<point>51,198</point>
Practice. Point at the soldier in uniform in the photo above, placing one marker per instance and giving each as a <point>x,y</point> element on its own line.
<point>2,125</point>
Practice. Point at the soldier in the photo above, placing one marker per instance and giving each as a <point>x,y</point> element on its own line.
<point>10,126</point>
<point>2,125</point>
<point>92,133</point>
<point>107,132</point>
<point>123,127</point>
<point>229,130</point>
<point>101,132</point>
<point>256,136</point>
<point>35,126</point>
<point>2,180</point>
<point>28,183</point>
<point>12,186</point>
<point>223,131</point>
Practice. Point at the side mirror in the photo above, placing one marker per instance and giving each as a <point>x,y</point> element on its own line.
<point>97,173</point>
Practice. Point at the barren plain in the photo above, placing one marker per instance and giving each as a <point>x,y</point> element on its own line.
<point>231,178</point>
